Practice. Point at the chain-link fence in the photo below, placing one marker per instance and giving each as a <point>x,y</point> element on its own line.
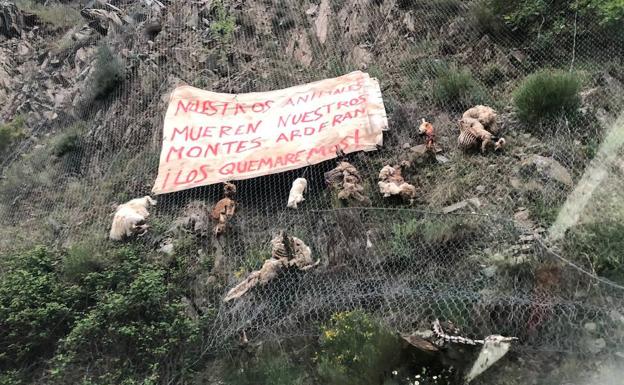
<point>475,245</point>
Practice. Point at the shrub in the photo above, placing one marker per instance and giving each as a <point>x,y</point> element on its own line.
<point>69,141</point>
<point>546,94</point>
<point>492,74</point>
<point>354,349</point>
<point>457,89</point>
<point>36,309</point>
<point>608,11</point>
<point>555,24</point>
<point>267,367</point>
<point>253,260</point>
<point>121,322</point>
<point>223,24</point>
<point>80,261</point>
<point>10,132</point>
<point>413,238</point>
<point>485,19</point>
<point>108,73</point>
<point>134,324</point>
<point>601,243</point>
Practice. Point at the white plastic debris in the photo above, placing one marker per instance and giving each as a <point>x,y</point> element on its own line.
<point>494,348</point>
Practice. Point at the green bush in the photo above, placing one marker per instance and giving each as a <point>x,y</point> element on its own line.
<point>122,322</point>
<point>36,309</point>
<point>492,74</point>
<point>108,73</point>
<point>354,349</point>
<point>555,24</point>
<point>485,20</point>
<point>457,89</point>
<point>69,141</point>
<point>447,235</point>
<point>135,326</point>
<point>223,24</point>
<point>80,261</point>
<point>11,132</point>
<point>608,11</point>
<point>267,367</point>
<point>602,244</point>
<point>545,94</point>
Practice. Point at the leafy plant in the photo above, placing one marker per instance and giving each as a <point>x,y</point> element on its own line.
<point>355,349</point>
<point>108,73</point>
<point>134,324</point>
<point>556,23</point>
<point>428,235</point>
<point>268,367</point>
<point>36,308</point>
<point>120,322</point>
<point>81,260</point>
<point>492,73</point>
<point>485,19</point>
<point>222,27</point>
<point>254,259</point>
<point>608,11</point>
<point>11,132</point>
<point>547,93</point>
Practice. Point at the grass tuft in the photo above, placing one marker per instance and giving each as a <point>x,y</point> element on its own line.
<point>457,88</point>
<point>11,132</point>
<point>57,15</point>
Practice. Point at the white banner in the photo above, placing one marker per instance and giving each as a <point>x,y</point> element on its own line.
<point>212,137</point>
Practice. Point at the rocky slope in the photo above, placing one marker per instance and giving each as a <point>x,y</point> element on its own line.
<point>93,88</point>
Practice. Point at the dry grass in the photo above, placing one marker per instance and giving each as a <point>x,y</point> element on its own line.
<point>57,15</point>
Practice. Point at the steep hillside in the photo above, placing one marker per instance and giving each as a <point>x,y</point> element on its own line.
<point>84,87</point>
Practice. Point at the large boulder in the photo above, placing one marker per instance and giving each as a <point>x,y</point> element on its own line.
<point>11,19</point>
<point>546,168</point>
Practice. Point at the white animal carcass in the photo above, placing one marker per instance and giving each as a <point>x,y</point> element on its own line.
<point>296,192</point>
<point>130,218</point>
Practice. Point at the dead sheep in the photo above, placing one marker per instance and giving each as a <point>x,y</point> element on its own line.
<point>347,182</point>
<point>287,251</point>
<point>296,192</point>
<point>472,134</point>
<point>129,218</point>
<point>428,131</point>
<point>391,183</point>
<point>224,210</point>
<point>486,116</point>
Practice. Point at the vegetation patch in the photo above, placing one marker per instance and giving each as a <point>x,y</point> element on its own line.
<point>416,241</point>
<point>555,25</point>
<point>268,366</point>
<point>546,94</point>
<point>108,73</point>
<point>601,244</point>
<point>355,349</point>
<point>11,132</point>
<point>69,142</point>
<point>55,14</point>
<point>119,323</point>
<point>457,88</point>
<point>81,260</point>
<point>223,24</point>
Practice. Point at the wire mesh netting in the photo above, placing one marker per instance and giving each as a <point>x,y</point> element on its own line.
<point>475,246</point>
